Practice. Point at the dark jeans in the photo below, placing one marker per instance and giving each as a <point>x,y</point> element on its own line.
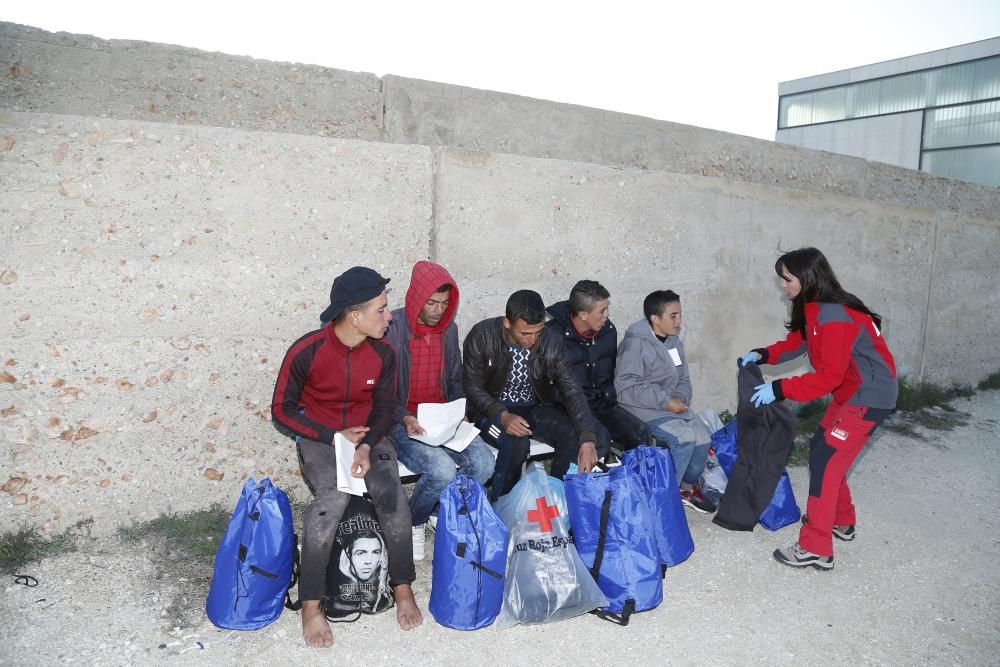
<point>319,525</point>
<point>549,424</point>
<point>621,426</point>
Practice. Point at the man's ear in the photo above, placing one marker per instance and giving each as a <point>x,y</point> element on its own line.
<point>506,324</point>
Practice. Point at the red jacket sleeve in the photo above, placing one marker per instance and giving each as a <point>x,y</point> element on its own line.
<point>830,360</point>
<point>286,411</point>
<point>784,350</point>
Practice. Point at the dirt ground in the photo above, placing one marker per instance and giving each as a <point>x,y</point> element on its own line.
<point>919,585</point>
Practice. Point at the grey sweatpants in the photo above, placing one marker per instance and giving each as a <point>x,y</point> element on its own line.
<point>319,526</point>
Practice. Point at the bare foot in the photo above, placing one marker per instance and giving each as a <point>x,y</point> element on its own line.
<point>407,613</point>
<point>315,628</point>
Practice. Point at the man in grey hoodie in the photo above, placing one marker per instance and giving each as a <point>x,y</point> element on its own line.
<point>653,383</point>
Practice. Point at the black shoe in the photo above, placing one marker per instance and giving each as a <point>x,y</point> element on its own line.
<point>845,533</point>
<point>796,556</point>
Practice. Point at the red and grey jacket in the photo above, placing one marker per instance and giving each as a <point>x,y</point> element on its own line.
<point>324,387</point>
<point>850,359</point>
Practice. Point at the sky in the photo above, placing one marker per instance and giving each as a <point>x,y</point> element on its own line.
<point>710,64</point>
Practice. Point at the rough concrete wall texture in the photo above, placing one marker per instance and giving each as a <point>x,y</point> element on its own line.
<point>961,343</point>
<point>551,222</point>
<point>83,75</point>
<point>151,279</point>
<point>438,114</point>
<point>153,274</point>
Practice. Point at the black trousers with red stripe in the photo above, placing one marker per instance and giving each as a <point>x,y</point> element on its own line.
<point>842,434</point>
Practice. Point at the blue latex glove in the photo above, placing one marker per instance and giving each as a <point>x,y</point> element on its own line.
<point>750,357</point>
<point>763,395</point>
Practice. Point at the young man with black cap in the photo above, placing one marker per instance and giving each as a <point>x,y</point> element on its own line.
<point>342,378</point>
<point>515,377</point>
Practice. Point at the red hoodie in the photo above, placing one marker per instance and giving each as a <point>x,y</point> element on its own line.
<point>427,342</point>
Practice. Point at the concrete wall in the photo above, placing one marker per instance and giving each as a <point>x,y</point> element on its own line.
<point>83,75</point>
<point>151,278</point>
<point>423,112</point>
<point>152,275</point>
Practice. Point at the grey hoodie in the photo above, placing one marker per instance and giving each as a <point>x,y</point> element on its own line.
<point>647,377</point>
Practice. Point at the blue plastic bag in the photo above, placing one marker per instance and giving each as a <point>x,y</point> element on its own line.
<point>613,533</point>
<point>654,466</point>
<point>253,565</point>
<point>470,558</point>
<point>782,510</point>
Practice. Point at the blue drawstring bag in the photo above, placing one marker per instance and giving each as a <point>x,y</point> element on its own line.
<point>470,557</point>
<point>654,466</point>
<point>782,510</point>
<point>613,533</point>
<point>254,562</point>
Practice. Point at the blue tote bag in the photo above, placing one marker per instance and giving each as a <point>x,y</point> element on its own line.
<point>613,533</point>
<point>654,466</point>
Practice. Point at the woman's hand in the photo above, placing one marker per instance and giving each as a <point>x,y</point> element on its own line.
<point>763,394</point>
<point>750,357</point>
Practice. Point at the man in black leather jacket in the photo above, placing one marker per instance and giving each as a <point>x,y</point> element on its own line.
<point>515,375</point>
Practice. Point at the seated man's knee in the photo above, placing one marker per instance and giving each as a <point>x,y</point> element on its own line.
<point>480,464</point>
<point>440,474</point>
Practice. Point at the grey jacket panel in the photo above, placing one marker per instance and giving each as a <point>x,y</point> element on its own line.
<point>646,377</point>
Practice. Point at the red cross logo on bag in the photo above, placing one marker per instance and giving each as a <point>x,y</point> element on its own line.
<point>543,514</point>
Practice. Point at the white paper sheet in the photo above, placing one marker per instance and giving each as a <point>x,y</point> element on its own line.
<point>465,434</point>
<point>440,421</point>
<point>675,356</point>
<point>345,455</point>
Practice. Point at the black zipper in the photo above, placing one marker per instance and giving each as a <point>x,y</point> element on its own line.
<point>263,573</point>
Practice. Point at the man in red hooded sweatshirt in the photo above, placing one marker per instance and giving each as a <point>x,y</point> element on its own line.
<point>429,370</point>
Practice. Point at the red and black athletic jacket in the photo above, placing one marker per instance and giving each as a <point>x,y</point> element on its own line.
<point>324,387</point>
<point>850,359</point>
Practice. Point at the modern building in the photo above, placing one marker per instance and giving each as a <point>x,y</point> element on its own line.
<point>938,112</point>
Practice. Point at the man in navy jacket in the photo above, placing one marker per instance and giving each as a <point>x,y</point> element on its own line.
<point>591,343</point>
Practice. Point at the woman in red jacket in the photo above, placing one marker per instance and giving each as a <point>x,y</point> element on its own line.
<point>852,363</point>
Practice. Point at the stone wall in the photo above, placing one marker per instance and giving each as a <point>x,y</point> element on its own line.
<point>155,265</point>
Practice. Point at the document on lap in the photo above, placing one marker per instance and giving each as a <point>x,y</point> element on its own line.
<point>445,425</point>
<point>344,450</point>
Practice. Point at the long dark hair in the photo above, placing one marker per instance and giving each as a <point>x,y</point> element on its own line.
<point>819,283</point>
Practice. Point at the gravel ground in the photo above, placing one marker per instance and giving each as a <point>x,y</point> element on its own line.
<point>918,585</point>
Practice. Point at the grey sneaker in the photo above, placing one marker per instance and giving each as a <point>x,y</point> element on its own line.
<point>845,533</point>
<point>796,556</point>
